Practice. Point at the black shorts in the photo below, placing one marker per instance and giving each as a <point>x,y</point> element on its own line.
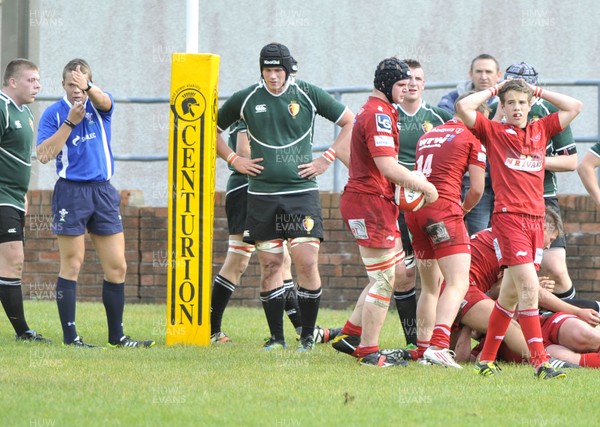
<point>409,253</point>
<point>284,216</point>
<point>552,203</point>
<point>235,208</point>
<point>92,205</point>
<point>12,224</point>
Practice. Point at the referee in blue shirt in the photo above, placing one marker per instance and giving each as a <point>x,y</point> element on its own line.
<point>76,131</point>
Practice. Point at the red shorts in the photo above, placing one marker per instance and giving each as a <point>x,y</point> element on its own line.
<point>551,325</point>
<point>438,230</point>
<point>472,297</point>
<point>520,238</point>
<point>373,220</point>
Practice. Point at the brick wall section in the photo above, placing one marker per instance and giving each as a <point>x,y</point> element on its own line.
<point>341,270</point>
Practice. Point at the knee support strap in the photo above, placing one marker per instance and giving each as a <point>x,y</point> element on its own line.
<point>272,246</point>
<point>381,270</point>
<point>312,241</point>
<point>241,248</point>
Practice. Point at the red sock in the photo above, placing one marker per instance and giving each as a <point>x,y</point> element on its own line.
<point>590,360</point>
<point>421,347</point>
<point>530,324</point>
<point>497,326</point>
<point>363,351</point>
<point>351,329</point>
<point>441,336</point>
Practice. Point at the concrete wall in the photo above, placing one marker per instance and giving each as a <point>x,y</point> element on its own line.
<point>337,43</point>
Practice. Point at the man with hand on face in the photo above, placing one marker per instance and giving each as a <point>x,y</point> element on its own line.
<point>77,132</point>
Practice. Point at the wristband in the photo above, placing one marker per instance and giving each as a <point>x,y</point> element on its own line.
<point>537,92</point>
<point>329,155</point>
<point>69,123</point>
<point>232,158</point>
<point>493,90</point>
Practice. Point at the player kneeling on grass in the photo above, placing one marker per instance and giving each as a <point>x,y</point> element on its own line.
<point>370,212</point>
<point>516,152</point>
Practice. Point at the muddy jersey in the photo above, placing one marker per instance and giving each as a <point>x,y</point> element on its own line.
<point>280,130</point>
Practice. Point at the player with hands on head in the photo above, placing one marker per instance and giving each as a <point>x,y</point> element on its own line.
<point>516,151</point>
<point>76,131</point>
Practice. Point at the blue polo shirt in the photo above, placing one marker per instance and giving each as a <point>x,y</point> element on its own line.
<point>87,154</point>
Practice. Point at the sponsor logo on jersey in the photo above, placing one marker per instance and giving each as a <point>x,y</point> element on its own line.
<point>260,108</point>
<point>384,123</point>
<point>18,124</point>
<point>525,163</point>
<point>521,253</point>
<point>308,223</point>
<point>358,228</point>
<point>77,140</point>
<point>383,141</point>
<point>11,231</point>
<point>511,131</point>
<point>293,108</point>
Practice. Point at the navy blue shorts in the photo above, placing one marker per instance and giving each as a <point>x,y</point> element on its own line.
<point>12,223</point>
<point>80,205</point>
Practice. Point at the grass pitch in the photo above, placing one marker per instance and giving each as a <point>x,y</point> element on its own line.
<point>238,384</point>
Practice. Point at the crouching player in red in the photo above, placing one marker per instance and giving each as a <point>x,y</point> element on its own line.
<point>516,151</point>
<point>485,276</point>
<point>368,208</point>
<point>439,235</point>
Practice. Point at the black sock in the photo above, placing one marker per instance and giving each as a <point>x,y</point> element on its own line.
<point>406,303</point>
<point>113,298</point>
<point>292,309</point>
<point>65,299</point>
<point>12,301</point>
<point>568,295</point>
<point>274,303</point>
<point>221,293</point>
<point>308,301</point>
<point>585,303</point>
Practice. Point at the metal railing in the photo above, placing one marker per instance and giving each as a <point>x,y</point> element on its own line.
<point>338,93</point>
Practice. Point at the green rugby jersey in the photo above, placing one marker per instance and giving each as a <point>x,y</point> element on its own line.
<point>236,180</point>
<point>281,130</point>
<point>561,144</point>
<point>16,144</point>
<point>412,127</point>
